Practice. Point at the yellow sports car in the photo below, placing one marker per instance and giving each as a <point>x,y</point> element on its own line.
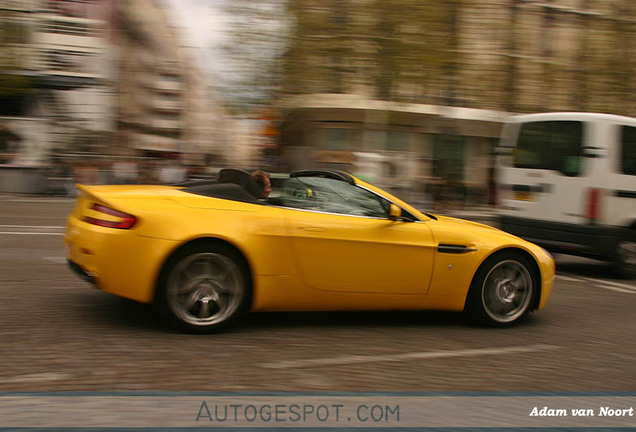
<point>206,253</point>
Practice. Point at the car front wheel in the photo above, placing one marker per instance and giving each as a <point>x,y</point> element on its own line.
<point>502,290</point>
<point>204,289</point>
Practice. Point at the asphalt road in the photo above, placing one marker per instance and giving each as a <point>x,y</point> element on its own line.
<point>58,333</point>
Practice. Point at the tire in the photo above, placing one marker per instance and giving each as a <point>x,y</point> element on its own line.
<point>204,288</point>
<point>503,290</point>
<point>625,259</point>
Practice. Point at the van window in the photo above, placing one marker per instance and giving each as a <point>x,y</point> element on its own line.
<point>628,142</point>
<point>551,145</point>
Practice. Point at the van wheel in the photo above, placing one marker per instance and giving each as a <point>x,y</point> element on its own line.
<point>625,259</point>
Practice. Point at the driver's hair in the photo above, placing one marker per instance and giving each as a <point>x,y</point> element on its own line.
<point>259,177</point>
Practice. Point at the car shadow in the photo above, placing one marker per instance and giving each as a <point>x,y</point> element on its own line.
<point>103,309</point>
<point>117,313</point>
<point>274,320</point>
<point>106,310</point>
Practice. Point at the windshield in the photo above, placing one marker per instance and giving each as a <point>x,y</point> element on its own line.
<point>332,196</point>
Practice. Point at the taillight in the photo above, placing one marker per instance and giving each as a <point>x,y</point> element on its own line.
<point>593,205</point>
<point>126,221</point>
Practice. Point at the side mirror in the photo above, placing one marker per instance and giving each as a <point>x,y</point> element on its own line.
<point>395,213</point>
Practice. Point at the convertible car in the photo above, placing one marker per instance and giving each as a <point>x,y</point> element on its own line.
<point>206,253</point>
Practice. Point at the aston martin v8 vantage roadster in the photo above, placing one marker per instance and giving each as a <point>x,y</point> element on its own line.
<point>207,253</point>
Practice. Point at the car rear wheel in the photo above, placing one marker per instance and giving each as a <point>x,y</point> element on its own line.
<point>204,289</point>
<point>503,290</point>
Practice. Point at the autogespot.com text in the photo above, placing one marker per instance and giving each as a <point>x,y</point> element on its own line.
<point>298,413</point>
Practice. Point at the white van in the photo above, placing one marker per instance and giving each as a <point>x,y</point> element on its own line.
<point>567,181</point>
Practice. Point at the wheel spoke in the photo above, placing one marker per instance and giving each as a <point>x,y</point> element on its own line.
<point>519,283</point>
<point>189,273</point>
<point>227,288</point>
<point>222,304</point>
<point>207,267</point>
<point>511,272</point>
<point>190,300</point>
<point>186,287</point>
<point>496,306</point>
<point>223,276</point>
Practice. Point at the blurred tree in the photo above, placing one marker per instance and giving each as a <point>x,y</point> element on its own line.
<point>610,57</point>
<point>582,65</point>
<point>513,55</point>
<point>549,18</point>
<point>12,41</point>
<point>15,84</point>
<point>256,40</point>
<point>416,50</point>
<point>391,49</point>
<point>388,49</point>
<point>622,58</point>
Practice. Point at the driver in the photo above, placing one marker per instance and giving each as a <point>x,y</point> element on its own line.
<point>261,179</point>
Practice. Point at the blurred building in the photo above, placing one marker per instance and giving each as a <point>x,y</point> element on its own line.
<point>418,151</point>
<point>413,93</point>
<point>164,104</point>
<point>55,77</point>
<point>207,128</point>
<point>91,82</point>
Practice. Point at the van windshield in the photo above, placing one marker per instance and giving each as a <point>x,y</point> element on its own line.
<point>551,145</point>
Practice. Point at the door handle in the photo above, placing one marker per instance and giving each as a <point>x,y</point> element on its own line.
<point>312,229</point>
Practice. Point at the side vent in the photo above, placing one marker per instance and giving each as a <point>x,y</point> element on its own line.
<point>454,249</point>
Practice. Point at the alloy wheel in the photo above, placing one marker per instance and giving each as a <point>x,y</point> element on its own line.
<point>205,289</point>
<point>507,291</point>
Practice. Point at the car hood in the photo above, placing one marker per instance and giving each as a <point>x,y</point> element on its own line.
<point>459,232</point>
<point>463,223</point>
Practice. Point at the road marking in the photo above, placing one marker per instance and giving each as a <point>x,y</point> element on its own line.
<point>39,200</point>
<point>600,283</point>
<point>29,233</point>
<point>56,259</point>
<point>568,278</point>
<point>31,230</point>
<point>356,359</point>
<point>36,377</point>
<point>610,285</point>
<point>616,284</point>
<point>612,288</point>
<point>33,226</point>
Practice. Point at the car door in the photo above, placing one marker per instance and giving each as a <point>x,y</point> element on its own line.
<point>345,242</point>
